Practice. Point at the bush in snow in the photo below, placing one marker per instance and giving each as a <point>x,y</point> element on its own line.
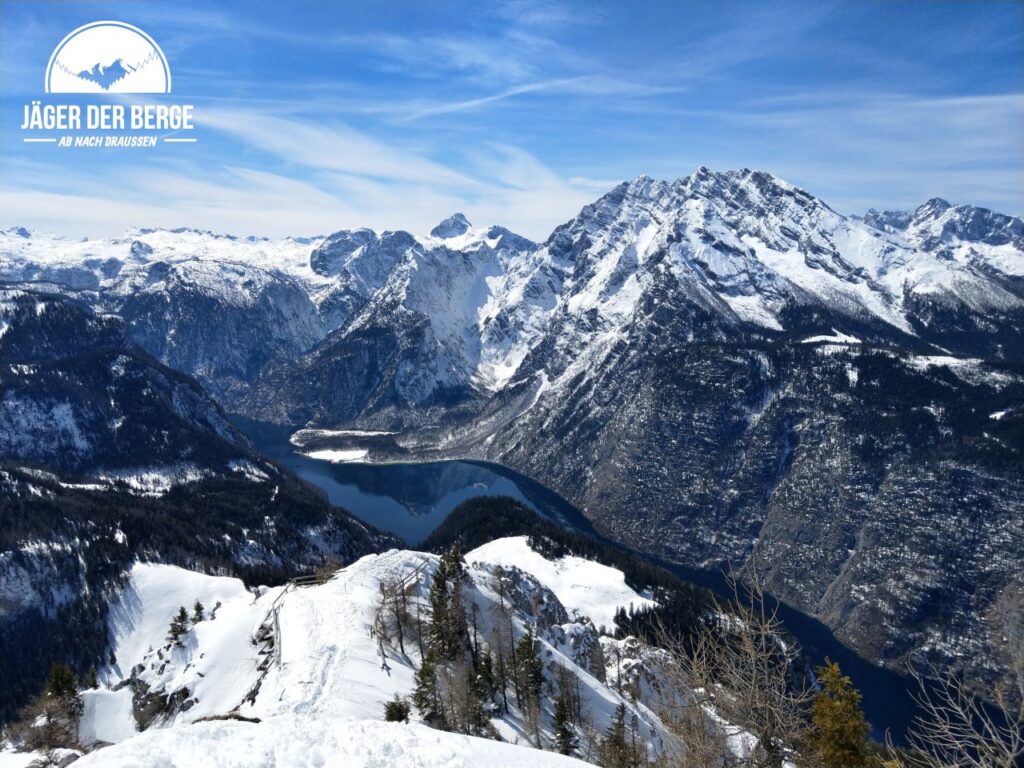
<point>396,710</point>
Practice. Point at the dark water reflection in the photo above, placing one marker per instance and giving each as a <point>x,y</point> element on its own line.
<point>408,500</point>
<point>888,702</point>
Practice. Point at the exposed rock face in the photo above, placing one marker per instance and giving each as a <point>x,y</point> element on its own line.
<point>222,323</point>
<point>149,707</point>
<point>453,226</point>
<point>576,636</point>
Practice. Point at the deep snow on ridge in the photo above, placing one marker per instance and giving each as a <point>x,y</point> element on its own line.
<point>303,740</point>
<point>585,587</point>
<point>327,683</point>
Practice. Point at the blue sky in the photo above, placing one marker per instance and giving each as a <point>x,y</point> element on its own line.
<point>318,116</point>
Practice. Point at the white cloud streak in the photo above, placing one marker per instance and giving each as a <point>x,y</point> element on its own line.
<point>341,178</point>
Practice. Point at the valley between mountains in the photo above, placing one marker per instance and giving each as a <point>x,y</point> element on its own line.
<point>718,370</point>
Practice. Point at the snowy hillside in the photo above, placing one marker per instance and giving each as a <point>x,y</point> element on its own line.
<point>303,740</point>
<point>307,677</point>
<point>584,587</point>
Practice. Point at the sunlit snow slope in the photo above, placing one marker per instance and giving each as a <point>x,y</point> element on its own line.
<point>318,688</point>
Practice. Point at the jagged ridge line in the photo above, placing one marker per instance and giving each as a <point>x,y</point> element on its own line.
<point>131,70</point>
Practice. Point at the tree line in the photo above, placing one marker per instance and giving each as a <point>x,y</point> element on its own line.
<point>745,703</point>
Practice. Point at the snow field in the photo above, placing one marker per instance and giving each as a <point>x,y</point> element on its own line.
<point>303,741</point>
<point>583,586</point>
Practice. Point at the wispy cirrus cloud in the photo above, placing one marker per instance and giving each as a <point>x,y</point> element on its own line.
<point>334,177</point>
<point>394,115</point>
<point>334,146</point>
<point>584,85</point>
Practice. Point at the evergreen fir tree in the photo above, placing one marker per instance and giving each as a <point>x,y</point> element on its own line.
<point>637,750</point>
<point>63,690</point>
<point>565,736</point>
<point>477,719</point>
<point>530,668</point>
<point>179,626</point>
<point>62,683</point>
<point>614,750</point>
<point>838,735</point>
<point>198,612</point>
<point>456,627</point>
<point>485,669</point>
<point>449,689</point>
<point>424,694</point>
<point>622,746</point>
<point>437,636</point>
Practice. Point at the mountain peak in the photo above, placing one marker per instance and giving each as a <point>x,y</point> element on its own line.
<point>931,209</point>
<point>941,222</point>
<point>744,188</point>
<point>455,225</point>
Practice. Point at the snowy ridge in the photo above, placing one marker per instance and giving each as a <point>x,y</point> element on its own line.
<point>743,234</point>
<point>301,740</point>
<point>321,699</point>
<point>584,587</point>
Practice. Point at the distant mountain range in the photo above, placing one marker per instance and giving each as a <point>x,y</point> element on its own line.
<point>716,369</point>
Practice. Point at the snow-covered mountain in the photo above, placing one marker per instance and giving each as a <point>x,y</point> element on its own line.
<point>298,675</point>
<point>712,368</point>
<point>745,252</point>
<point>79,395</point>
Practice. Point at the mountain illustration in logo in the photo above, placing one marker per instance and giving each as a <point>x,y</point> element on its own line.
<point>106,76</point>
<point>108,56</point>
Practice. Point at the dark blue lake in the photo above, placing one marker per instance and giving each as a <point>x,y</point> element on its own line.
<point>410,500</point>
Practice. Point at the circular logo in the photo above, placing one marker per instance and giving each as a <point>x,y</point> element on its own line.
<point>108,57</point>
